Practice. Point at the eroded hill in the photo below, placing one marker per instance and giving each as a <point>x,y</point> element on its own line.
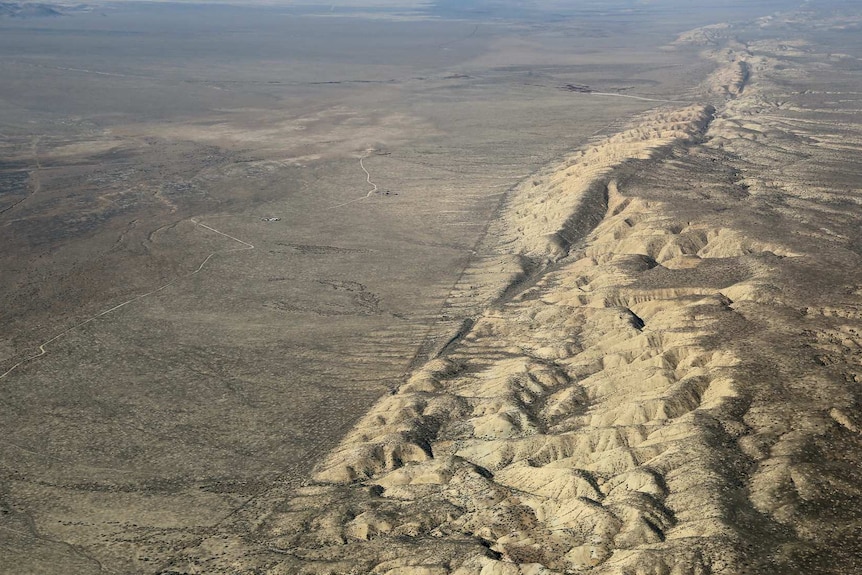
<point>654,360</point>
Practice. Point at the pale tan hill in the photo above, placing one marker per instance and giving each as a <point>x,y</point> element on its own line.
<point>657,369</point>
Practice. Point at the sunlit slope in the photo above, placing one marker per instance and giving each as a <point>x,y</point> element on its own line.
<point>658,372</point>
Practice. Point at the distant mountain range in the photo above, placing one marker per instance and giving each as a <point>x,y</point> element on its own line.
<point>36,9</point>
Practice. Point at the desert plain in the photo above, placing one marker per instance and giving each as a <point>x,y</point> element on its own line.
<point>493,288</point>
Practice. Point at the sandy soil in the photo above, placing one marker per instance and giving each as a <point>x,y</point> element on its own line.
<point>465,321</point>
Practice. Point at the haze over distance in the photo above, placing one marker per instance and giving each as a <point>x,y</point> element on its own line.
<point>428,288</point>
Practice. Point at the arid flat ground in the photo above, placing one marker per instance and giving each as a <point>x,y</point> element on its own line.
<point>431,290</point>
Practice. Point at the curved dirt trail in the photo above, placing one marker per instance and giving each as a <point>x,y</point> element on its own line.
<point>42,347</point>
<point>374,186</point>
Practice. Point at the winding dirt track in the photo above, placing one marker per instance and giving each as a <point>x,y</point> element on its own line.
<point>42,346</point>
<point>374,186</point>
